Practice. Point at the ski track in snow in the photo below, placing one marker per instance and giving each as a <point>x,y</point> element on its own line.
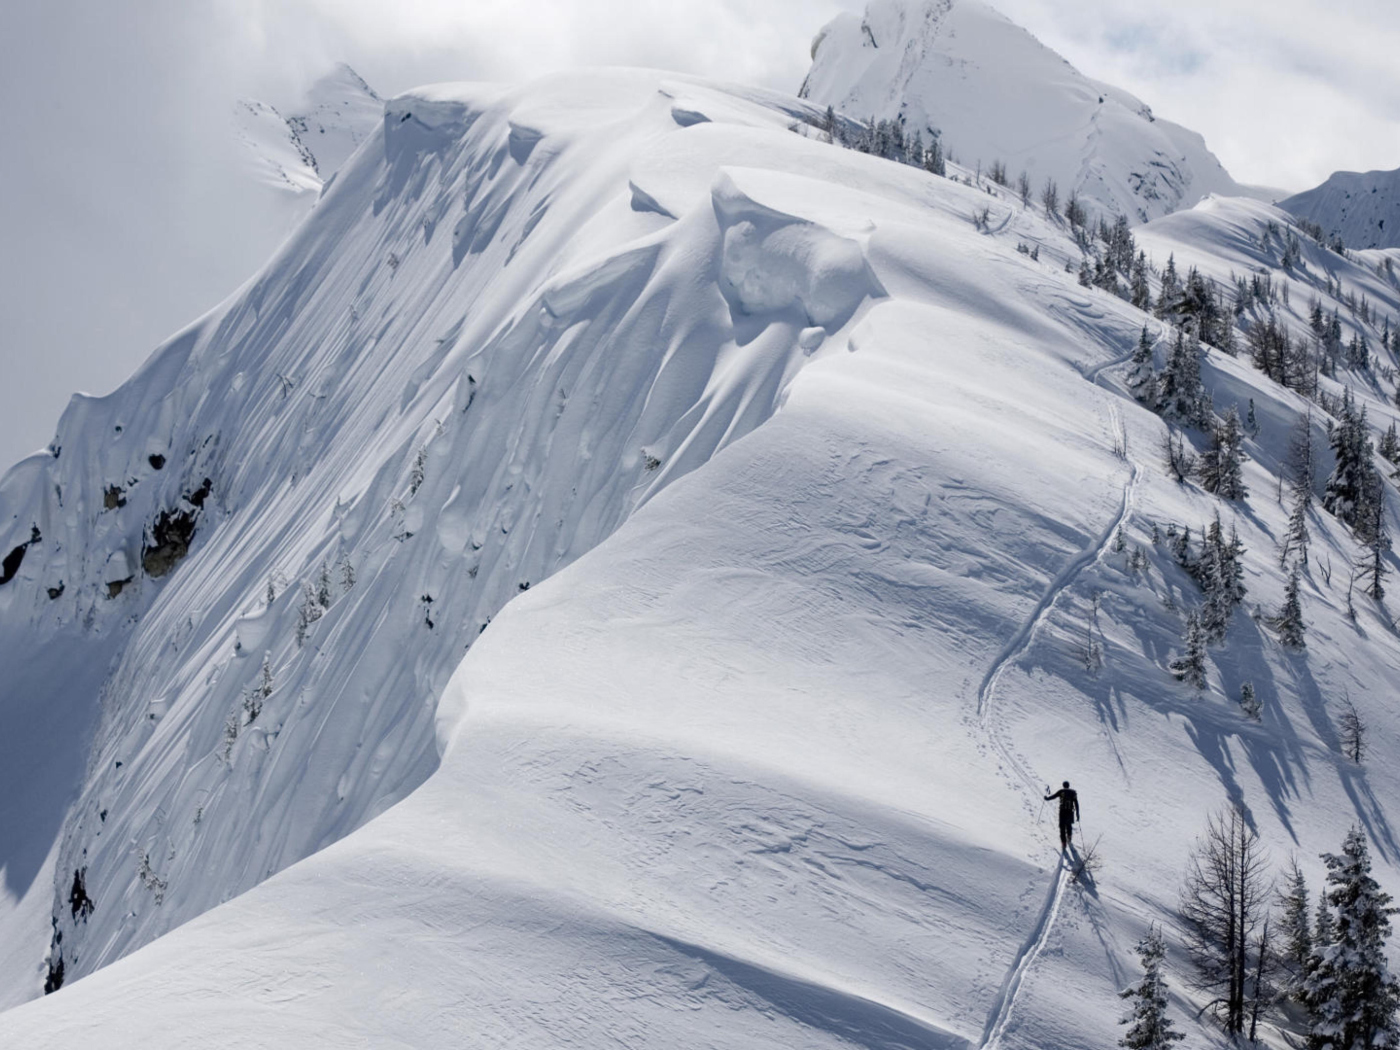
<point>1025,959</point>
<point>1005,1001</point>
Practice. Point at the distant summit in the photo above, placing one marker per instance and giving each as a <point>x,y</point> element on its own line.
<point>1361,209</point>
<point>299,152</point>
<point>989,91</point>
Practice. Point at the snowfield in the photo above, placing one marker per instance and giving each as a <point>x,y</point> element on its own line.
<point>717,528</point>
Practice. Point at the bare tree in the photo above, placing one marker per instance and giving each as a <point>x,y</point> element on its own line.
<point>1223,906</point>
<point>1181,462</point>
<point>1023,187</point>
<point>1352,732</point>
<point>1050,197</point>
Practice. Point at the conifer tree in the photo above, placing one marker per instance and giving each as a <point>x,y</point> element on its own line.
<point>1289,622</point>
<point>1220,465</point>
<point>1296,935</point>
<point>1142,377</point>
<point>1350,484</point>
<point>1351,994</point>
<point>1371,531</point>
<point>1140,291</point>
<point>1190,666</point>
<point>1180,394</point>
<point>1149,1026</point>
<point>1169,298</point>
<point>1295,536</point>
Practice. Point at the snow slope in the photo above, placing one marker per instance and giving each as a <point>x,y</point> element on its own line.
<point>817,491</point>
<point>1364,210</point>
<point>993,92</point>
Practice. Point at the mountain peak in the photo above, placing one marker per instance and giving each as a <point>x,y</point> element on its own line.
<point>990,91</point>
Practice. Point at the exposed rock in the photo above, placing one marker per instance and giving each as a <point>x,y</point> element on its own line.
<point>156,460</point>
<point>56,592</point>
<point>170,542</point>
<point>113,496</point>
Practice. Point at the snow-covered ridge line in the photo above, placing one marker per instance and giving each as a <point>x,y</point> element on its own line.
<point>466,369</point>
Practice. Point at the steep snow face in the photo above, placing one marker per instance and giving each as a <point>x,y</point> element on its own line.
<point>489,344</point>
<point>991,92</point>
<point>1363,210</point>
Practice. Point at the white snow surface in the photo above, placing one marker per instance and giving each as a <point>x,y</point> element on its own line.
<point>787,495</point>
<point>1362,209</point>
<point>992,91</point>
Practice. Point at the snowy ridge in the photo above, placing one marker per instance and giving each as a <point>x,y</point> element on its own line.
<point>816,482</point>
<point>992,92</point>
<point>1363,210</point>
<point>374,416</point>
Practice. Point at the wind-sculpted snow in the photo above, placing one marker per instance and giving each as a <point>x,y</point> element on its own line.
<point>960,71</point>
<point>814,527</point>
<point>447,416</point>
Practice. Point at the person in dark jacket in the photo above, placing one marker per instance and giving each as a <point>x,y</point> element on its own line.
<point>1069,812</point>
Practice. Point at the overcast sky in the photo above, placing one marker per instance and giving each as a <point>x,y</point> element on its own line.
<point>126,210</point>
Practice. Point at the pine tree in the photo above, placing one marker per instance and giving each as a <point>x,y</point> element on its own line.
<point>1180,394</point>
<point>1371,531</point>
<point>1142,378</point>
<point>1296,936</point>
<point>1220,465</point>
<point>1149,1026</point>
<point>1350,484</point>
<point>1190,667</point>
<point>1389,446</point>
<point>1249,702</point>
<point>1169,298</point>
<point>1141,291</point>
<point>1289,622</point>
<point>1352,996</point>
<point>1295,536</point>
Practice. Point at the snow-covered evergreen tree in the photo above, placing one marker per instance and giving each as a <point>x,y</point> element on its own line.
<point>1190,666</point>
<point>1142,377</point>
<point>1352,996</point>
<point>1295,943</point>
<point>1149,1027</point>
<point>1180,394</point>
<point>1220,465</point>
<point>1289,622</point>
<point>1350,485</point>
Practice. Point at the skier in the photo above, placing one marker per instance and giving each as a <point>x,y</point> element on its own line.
<point>1069,812</point>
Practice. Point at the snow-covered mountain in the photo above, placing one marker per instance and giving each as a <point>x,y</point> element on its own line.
<point>992,93</point>
<point>1363,210</point>
<point>625,572</point>
<point>295,155</point>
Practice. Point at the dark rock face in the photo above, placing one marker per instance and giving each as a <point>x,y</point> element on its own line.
<point>11,564</point>
<point>113,496</point>
<point>172,533</point>
<point>157,461</point>
<point>170,542</point>
<point>12,561</point>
